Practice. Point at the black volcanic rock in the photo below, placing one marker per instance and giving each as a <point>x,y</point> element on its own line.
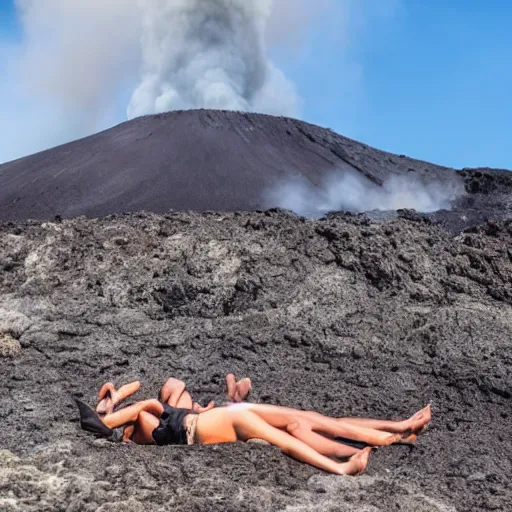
<point>194,160</point>
<point>345,315</point>
<point>370,314</point>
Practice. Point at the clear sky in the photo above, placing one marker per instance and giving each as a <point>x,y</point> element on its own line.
<point>428,78</point>
<point>7,15</point>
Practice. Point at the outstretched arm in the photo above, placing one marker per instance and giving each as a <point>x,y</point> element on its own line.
<point>130,414</point>
<point>127,390</point>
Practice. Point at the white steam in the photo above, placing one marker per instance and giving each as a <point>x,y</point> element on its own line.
<point>351,191</point>
<point>79,65</point>
<point>76,53</point>
<point>209,54</point>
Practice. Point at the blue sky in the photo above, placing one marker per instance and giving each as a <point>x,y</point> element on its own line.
<point>8,23</point>
<point>430,79</point>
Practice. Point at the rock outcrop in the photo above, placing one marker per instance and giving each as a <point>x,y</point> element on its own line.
<point>347,315</point>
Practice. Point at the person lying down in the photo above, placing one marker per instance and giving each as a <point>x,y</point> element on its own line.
<point>307,436</point>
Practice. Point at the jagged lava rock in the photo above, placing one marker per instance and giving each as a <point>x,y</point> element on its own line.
<point>346,315</point>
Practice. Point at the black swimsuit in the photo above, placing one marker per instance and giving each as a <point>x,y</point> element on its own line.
<point>171,429</point>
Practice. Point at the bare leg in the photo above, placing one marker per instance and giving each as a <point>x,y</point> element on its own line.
<point>364,430</point>
<point>397,427</point>
<point>366,435</point>
<point>321,443</point>
<point>173,393</point>
<point>143,428</point>
<point>414,424</point>
<point>184,401</point>
<point>281,417</point>
<point>250,425</point>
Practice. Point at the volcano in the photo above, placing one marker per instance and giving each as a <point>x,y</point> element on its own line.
<point>207,160</point>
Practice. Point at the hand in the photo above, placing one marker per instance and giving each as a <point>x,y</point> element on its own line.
<point>107,399</point>
<point>197,408</point>
<point>106,406</point>
<point>128,433</point>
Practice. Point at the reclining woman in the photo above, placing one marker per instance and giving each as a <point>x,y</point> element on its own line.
<point>305,435</point>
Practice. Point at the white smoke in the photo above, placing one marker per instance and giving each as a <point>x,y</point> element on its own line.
<point>77,53</point>
<point>353,192</point>
<point>209,54</point>
<point>80,64</point>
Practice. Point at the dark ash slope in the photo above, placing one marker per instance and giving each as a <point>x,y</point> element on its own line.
<point>344,315</point>
<point>193,160</point>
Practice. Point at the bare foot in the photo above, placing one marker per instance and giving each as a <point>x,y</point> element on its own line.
<point>420,420</point>
<point>237,391</point>
<point>357,463</point>
<point>243,388</point>
<point>390,439</point>
<point>231,386</point>
<point>409,438</point>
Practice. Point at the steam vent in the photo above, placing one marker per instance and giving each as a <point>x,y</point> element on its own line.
<point>155,249</point>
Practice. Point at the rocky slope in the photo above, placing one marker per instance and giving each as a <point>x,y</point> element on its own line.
<point>212,160</point>
<point>345,315</point>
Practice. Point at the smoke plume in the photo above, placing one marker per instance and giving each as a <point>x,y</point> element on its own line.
<point>209,54</point>
<point>351,191</point>
<point>80,66</point>
<point>77,53</point>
